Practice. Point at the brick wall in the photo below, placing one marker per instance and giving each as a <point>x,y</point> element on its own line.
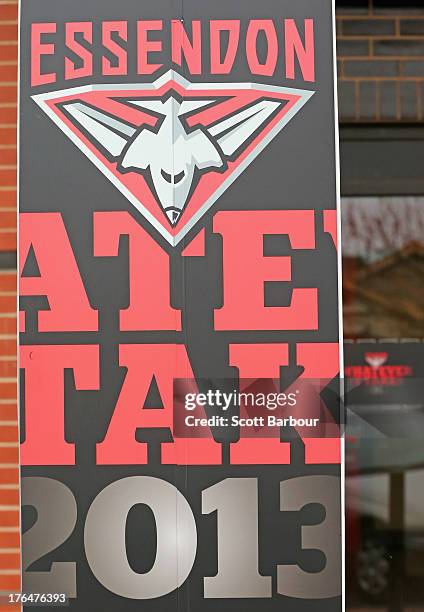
<point>8,72</point>
<point>381,62</point>
<point>9,500</point>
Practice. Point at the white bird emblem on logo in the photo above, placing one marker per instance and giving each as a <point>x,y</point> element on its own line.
<point>170,146</point>
<point>171,153</point>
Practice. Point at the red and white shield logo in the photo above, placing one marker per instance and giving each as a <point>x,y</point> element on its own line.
<point>376,360</point>
<point>172,147</point>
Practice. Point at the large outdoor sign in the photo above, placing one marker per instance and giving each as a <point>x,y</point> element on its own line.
<point>179,315</point>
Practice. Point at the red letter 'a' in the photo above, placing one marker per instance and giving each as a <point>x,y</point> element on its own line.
<point>259,361</point>
<point>149,307</point>
<point>246,270</point>
<point>143,361</point>
<point>59,278</point>
<point>45,398</point>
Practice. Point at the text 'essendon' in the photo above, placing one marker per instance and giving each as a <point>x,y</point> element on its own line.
<point>119,48</point>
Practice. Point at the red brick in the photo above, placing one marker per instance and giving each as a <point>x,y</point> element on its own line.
<point>8,241</point>
<point>8,156</point>
<point>9,518</point>
<point>8,476</point>
<point>8,93</point>
<point>9,454</point>
<point>9,52</point>
<point>8,347</point>
<point>7,303</point>
<point>8,197</point>
<point>8,114</point>
<point>8,412</point>
<point>7,368</point>
<point>8,281</point>
<point>7,135</point>
<point>8,31</point>
<point>9,11</point>
<point>9,561</point>
<point>7,177</point>
<point>8,433</point>
<point>7,219</point>
<point>10,583</point>
<point>9,73</point>
<point>8,497</point>
<point>8,390</point>
<point>8,325</point>
<point>9,539</point>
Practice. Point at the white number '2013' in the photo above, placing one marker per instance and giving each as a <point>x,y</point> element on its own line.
<point>235,500</point>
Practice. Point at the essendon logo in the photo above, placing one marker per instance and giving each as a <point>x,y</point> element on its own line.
<point>377,371</point>
<point>172,147</point>
<point>375,360</point>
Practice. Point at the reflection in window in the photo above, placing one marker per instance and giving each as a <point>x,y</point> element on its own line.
<point>383,267</point>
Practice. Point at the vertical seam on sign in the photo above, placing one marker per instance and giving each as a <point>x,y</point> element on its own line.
<point>340,311</point>
<point>176,348</point>
<point>185,341</point>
